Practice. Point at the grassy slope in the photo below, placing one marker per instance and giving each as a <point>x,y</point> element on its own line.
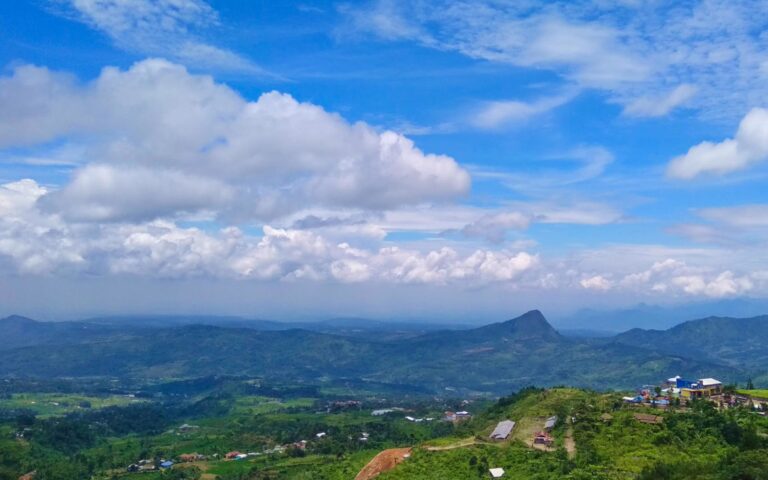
<point>615,449</point>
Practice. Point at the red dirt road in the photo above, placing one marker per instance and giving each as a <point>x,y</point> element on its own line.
<point>384,461</point>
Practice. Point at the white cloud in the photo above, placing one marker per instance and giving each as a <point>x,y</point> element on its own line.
<point>724,285</point>
<point>169,28</point>
<point>36,242</point>
<point>105,193</point>
<point>494,227</point>
<point>644,56</point>
<point>749,146</point>
<point>658,106</point>
<point>497,113</point>
<point>268,158</point>
<point>741,216</point>
<point>598,282</point>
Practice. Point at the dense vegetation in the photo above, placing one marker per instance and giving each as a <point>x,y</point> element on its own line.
<point>599,437</point>
<point>494,359</point>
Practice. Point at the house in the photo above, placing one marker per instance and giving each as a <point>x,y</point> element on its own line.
<point>166,464</point>
<point>705,387</point>
<point>457,416</point>
<point>543,438</point>
<point>320,435</point>
<point>550,423</point>
<point>502,430</point>
<point>672,382</point>
<point>186,428</point>
<point>241,456</point>
<point>636,399</point>
<point>496,472</point>
<point>711,386</point>
<point>650,419</point>
<point>232,455</point>
<point>190,457</point>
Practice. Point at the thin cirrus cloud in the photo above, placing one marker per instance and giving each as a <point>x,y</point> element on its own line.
<point>169,28</point>
<point>650,58</point>
<point>244,159</point>
<point>748,147</point>
<point>498,113</point>
<point>657,106</point>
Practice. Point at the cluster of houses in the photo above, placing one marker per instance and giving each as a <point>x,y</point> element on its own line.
<point>147,465</point>
<point>504,429</point>
<point>677,389</point>
<point>681,391</point>
<point>544,437</point>
<point>456,417</point>
<point>448,416</point>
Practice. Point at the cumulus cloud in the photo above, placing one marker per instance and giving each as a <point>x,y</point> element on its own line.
<point>37,242</point>
<point>724,285</point>
<point>104,193</point>
<point>267,157</point>
<point>169,28</point>
<point>597,282</point>
<point>749,146</point>
<point>494,227</point>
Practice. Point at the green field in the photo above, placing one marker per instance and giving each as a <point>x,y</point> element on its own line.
<point>51,404</point>
<point>754,393</point>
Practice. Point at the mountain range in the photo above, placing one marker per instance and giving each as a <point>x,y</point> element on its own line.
<point>494,359</point>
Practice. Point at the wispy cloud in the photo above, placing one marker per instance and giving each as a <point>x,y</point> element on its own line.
<point>497,113</point>
<point>172,29</point>
<point>644,56</point>
<point>658,106</point>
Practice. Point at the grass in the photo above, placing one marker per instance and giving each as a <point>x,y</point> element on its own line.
<point>51,404</point>
<point>255,405</point>
<point>762,393</point>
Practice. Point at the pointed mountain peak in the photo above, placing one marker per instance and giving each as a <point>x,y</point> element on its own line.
<point>527,326</point>
<point>16,319</point>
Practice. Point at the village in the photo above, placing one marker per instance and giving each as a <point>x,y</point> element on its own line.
<point>679,392</point>
<point>544,433</point>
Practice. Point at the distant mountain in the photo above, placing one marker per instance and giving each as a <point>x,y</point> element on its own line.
<point>495,358</point>
<point>17,331</point>
<point>738,342</point>
<point>359,327</point>
<point>658,317</point>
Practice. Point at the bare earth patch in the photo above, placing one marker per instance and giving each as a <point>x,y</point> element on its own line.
<point>384,461</point>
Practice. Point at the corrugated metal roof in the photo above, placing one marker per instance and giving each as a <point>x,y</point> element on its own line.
<point>551,421</point>
<point>497,472</point>
<point>708,382</point>
<point>502,430</point>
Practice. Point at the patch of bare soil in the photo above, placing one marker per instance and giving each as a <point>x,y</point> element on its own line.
<point>386,460</point>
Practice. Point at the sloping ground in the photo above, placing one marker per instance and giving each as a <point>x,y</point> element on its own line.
<point>383,462</point>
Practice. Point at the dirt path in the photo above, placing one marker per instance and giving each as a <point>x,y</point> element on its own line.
<point>460,444</point>
<point>570,443</point>
<point>384,461</point>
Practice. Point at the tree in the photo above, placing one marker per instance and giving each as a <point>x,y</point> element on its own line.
<point>750,385</point>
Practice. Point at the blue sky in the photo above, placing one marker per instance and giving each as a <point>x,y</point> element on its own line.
<point>385,158</point>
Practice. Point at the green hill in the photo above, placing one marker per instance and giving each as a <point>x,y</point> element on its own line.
<point>738,342</point>
<point>492,359</point>
<point>608,442</point>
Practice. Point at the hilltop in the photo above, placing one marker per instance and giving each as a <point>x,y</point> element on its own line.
<point>737,342</point>
<point>494,358</point>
